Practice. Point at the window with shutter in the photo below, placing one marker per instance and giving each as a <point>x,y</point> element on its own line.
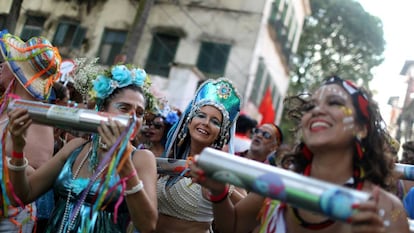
<point>212,59</point>
<point>161,54</point>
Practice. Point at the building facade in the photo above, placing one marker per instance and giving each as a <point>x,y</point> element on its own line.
<point>183,41</point>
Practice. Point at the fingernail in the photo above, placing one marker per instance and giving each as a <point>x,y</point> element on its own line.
<point>355,206</point>
<point>387,223</point>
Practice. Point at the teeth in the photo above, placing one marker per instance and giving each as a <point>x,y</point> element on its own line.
<point>319,124</point>
<point>202,131</point>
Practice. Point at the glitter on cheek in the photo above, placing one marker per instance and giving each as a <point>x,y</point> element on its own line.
<point>347,111</point>
<point>348,123</point>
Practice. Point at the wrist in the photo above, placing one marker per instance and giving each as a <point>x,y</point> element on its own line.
<point>17,155</point>
<point>219,197</point>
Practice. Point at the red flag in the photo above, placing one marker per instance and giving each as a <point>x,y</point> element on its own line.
<point>266,108</point>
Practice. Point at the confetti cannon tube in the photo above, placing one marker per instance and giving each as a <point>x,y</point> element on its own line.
<point>303,192</point>
<point>405,171</point>
<point>73,119</point>
<point>173,167</point>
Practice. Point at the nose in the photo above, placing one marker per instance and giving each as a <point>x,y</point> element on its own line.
<point>318,110</point>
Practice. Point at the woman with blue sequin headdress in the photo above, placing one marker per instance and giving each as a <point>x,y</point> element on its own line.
<point>208,121</point>
<point>103,184</point>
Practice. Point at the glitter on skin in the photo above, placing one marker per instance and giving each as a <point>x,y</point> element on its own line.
<point>327,89</point>
<point>348,122</point>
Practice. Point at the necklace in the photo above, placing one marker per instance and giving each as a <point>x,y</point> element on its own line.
<point>74,176</point>
<point>356,182</point>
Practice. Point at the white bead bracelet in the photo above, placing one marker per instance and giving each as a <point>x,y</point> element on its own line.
<point>134,189</point>
<point>17,168</point>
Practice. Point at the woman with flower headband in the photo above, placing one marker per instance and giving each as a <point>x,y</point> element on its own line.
<point>103,184</point>
<point>208,121</point>
<point>342,142</point>
<point>156,128</point>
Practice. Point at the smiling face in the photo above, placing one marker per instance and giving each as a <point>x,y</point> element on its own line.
<point>205,126</point>
<point>329,119</point>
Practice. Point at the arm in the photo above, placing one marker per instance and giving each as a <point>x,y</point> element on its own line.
<point>383,213</point>
<point>229,217</point>
<point>142,205</point>
<point>41,180</point>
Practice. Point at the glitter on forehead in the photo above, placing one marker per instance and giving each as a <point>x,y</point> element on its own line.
<point>330,89</point>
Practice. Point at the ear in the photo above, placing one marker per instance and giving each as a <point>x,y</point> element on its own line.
<point>362,132</point>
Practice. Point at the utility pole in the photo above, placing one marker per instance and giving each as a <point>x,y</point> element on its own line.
<point>136,30</point>
<point>13,16</point>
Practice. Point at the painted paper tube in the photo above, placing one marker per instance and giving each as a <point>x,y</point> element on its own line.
<point>411,225</point>
<point>74,119</point>
<point>303,192</point>
<point>406,171</point>
<point>173,167</point>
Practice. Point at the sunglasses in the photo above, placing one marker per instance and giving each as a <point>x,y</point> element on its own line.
<point>265,134</point>
<point>156,125</point>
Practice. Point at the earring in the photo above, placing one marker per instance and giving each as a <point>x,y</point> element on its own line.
<point>181,136</point>
<point>358,146</point>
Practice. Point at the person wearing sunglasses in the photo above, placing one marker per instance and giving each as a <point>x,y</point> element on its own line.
<point>156,128</point>
<point>266,139</point>
<point>342,141</point>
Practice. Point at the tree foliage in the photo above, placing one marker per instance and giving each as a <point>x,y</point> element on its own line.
<point>340,38</point>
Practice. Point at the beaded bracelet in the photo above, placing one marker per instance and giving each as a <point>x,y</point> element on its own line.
<point>134,189</point>
<point>17,155</point>
<point>17,168</point>
<point>221,197</point>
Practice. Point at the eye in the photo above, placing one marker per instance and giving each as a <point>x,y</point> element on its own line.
<point>123,108</point>
<point>200,115</point>
<point>140,112</point>
<point>216,122</point>
<point>308,106</point>
<point>336,102</point>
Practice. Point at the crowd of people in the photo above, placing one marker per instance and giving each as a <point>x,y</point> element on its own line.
<point>54,180</point>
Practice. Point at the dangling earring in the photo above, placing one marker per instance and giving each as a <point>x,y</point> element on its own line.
<point>181,136</point>
<point>358,146</point>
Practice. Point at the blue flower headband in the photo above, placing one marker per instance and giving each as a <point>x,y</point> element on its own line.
<point>169,115</point>
<point>119,76</point>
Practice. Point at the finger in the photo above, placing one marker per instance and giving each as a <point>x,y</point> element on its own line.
<point>103,132</point>
<point>367,228</point>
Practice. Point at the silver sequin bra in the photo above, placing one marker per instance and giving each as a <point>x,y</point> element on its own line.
<point>183,201</point>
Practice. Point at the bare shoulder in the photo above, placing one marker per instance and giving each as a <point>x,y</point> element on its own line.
<point>69,147</point>
<point>144,156</point>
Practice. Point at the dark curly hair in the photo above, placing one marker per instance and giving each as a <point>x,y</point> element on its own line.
<point>376,165</point>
